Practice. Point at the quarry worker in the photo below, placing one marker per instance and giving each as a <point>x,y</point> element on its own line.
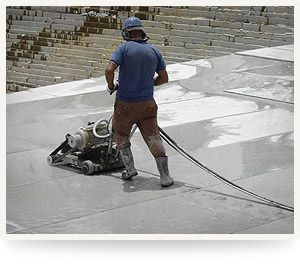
<point>139,62</point>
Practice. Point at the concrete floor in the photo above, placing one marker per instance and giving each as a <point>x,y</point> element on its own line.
<point>234,113</point>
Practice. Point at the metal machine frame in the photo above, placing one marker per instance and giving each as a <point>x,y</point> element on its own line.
<point>87,150</point>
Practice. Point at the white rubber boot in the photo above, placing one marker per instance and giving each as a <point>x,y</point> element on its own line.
<point>162,166</point>
<point>127,158</point>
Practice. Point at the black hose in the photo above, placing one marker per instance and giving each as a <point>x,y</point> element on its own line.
<point>181,151</point>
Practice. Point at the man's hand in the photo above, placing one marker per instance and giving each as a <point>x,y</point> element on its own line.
<point>112,89</point>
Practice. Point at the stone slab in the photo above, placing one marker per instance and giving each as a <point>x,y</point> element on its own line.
<point>15,145</point>
<point>193,212</point>
<point>282,226</point>
<point>277,185</point>
<point>231,160</point>
<point>31,166</point>
<point>248,140</point>
<point>271,53</point>
<point>71,197</point>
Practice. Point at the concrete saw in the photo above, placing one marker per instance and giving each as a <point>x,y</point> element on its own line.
<point>91,149</point>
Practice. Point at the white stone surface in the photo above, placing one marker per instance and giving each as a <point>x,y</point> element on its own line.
<point>248,140</point>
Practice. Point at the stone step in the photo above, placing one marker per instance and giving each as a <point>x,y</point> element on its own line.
<point>89,40</point>
<point>221,27</point>
<point>29,18</point>
<point>45,22</point>
<point>61,63</point>
<point>13,87</point>
<point>44,19</point>
<point>280,9</point>
<point>84,53</point>
<point>34,9</point>
<point>91,49</point>
<point>9,63</point>
<point>261,42</point>
<point>201,8</point>
<point>281,21</point>
<point>103,42</point>
<point>222,15</point>
<point>208,13</point>
<point>24,46</point>
<point>76,58</point>
<point>182,20</point>
<point>19,31</point>
<point>21,78</point>
<point>77,22</point>
<point>211,48</point>
<point>235,45</point>
<point>276,29</point>
<point>183,39</point>
<point>63,27</point>
<point>41,41</point>
<point>60,35</point>
<point>156,24</point>
<point>46,72</point>
<point>74,50</point>
<point>23,73</point>
<point>204,55</point>
<point>93,21</point>
<point>240,8</point>
<point>99,73</point>
<point>15,54</point>
<point>174,11</point>
<point>202,36</point>
<point>243,15</point>
<point>193,52</point>
<point>20,64</point>
<point>66,70</point>
<point>36,78</point>
<point>85,63</point>
<point>60,9</point>
<point>285,15</point>
<point>15,11</point>
<point>156,31</point>
<point>24,28</point>
<point>258,9</point>
<point>33,24</point>
<point>32,82</point>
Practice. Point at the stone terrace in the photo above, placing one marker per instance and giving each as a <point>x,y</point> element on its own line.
<point>48,45</point>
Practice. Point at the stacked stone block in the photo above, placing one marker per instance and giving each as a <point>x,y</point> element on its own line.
<point>47,44</point>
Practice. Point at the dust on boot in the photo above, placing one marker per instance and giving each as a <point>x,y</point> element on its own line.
<point>127,158</point>
<point>162,166</point>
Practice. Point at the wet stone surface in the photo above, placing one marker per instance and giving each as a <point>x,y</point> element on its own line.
<point>235,114</point>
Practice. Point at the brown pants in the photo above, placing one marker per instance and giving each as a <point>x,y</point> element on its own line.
<point>144,114</point>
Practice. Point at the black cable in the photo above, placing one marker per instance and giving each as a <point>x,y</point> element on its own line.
<point>184,153</point>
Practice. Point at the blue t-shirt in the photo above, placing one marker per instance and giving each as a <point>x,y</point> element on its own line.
<point>138,63</point>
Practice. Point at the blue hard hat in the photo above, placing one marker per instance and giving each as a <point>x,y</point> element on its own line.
<point>132,22</point>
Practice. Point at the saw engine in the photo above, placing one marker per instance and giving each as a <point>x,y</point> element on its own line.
<point>91,149</point>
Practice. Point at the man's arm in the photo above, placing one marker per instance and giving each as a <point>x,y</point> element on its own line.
<point>161,78</point>
<point>110,74</point>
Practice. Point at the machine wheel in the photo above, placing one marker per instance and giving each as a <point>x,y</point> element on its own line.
<point>87,167</point>
<point>51,159</point>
